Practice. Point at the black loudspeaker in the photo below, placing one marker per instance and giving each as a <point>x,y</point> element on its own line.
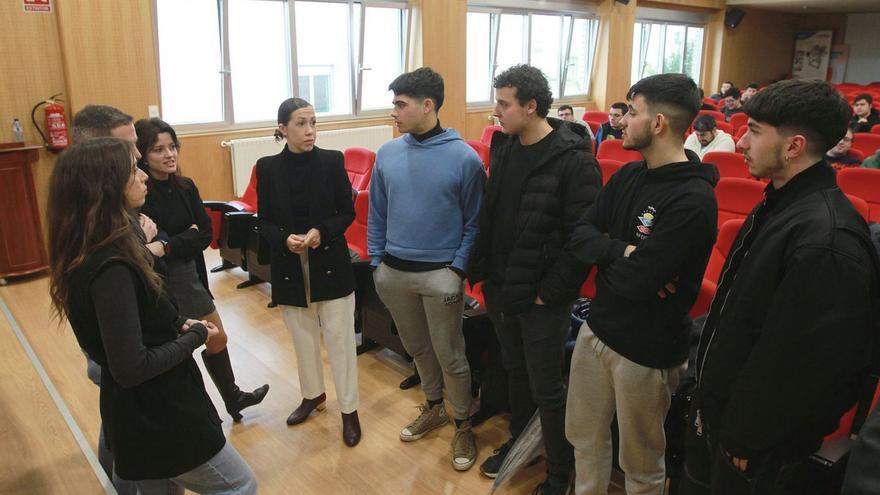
<point>733,17</point>
<point>625,2</point>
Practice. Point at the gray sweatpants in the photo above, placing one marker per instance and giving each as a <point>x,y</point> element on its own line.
<point>427,309</point>
<point>601,383</point>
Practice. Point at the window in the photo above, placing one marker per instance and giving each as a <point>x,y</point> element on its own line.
<point>660,48</point>
<point>561,45</point>
<point>231,62</point>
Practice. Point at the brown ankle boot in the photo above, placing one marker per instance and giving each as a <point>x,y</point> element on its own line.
<point>305,408</point>
<point>351,429</point>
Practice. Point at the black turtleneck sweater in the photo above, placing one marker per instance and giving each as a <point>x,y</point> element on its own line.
<point>298,168</point>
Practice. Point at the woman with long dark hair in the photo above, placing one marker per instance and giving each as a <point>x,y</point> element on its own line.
<point>158,419</point>
<point>176,207</point>
<point>304,203</point>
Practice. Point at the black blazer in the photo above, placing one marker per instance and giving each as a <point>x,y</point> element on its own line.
<point>331,211</point>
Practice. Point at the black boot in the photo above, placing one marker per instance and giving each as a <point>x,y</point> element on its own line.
<point>220,370</point>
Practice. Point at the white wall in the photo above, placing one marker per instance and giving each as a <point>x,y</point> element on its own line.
<point>864,57</point>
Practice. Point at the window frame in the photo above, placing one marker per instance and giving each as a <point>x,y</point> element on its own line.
<point>355,61</point>
<point>684,51</point>
<point>496,12</point>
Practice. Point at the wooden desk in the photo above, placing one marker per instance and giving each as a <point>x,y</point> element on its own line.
<point>21,237</point>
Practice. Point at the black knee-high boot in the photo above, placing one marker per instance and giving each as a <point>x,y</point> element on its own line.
<point>220,370</point>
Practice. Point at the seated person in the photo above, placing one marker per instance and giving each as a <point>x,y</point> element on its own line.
<point>864,117</point>
<point>839,157</point>
<point>732,103</point>
<point>565,112</point>
<point>749,91</point>
<point>872,161</point>
<point>613,128</point>
<point>725,86</point>
<point>707,137</point>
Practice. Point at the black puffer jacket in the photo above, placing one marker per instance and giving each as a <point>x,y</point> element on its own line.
<point>791,331</point>
<point>555,194</point>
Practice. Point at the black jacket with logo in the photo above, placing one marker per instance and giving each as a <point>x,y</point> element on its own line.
<point>670,215</point>
<point>555,194</point>
<point>789,336</point>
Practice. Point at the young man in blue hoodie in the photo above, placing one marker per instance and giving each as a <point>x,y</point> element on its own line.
<point>650,233</point>
<point>424,199</point>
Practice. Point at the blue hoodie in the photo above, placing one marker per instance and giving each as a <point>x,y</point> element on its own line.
<point>425,200</point>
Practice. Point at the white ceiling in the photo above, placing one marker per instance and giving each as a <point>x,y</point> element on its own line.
<point>807,6</point>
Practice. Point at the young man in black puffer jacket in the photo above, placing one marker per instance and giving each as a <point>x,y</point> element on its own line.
<point>542,178</point>
<point>650,233</point>
<point>789,337</point>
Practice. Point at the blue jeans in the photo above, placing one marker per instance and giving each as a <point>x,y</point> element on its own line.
<point>224,474</point>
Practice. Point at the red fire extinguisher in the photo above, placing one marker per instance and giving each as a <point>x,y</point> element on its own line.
<point>56,126</point>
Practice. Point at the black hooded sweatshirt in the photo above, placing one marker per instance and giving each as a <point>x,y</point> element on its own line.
<point>670,214</point>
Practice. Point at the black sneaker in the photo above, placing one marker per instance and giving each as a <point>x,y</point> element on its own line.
<point>490,466</point>
<point>553,486</point>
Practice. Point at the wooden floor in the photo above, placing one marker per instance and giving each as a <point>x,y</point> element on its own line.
<point>39,454</point>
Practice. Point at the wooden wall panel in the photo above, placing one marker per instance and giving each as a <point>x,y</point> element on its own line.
<point>759,49</point>
<point>611,71</point>
<point>443,28</point>
<point>30,71</point>
<point>108,54</point>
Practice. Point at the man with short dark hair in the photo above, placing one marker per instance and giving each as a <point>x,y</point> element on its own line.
<point>649,233</point>
<point>95,121</point>
<point>864,116</point>
<point>542,180</point>
<point>707,137</point>
<point>566,112</point>
<point>726,85</point>
<point>749,91</point>
<point>732,103</point>
<point>789,338</point>
<point>839,157</point>
<point>612,129</point>
<point>424,200</point>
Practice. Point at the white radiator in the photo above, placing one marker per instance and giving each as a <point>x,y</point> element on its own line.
<point>245,152</point>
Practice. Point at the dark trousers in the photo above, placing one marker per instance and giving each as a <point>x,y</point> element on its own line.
<point>533,353</point>
<point>708,470</point>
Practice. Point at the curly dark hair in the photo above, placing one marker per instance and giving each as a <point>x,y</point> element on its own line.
<point>530,84</point>
<point>734,93</point>
<point>674,95</point>
<point>420,83</point>
<point>811,108</point>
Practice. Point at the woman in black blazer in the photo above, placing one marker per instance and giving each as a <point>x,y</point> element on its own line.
<point>158,419</point>
<point>174,204</point>
<point>304,206</point>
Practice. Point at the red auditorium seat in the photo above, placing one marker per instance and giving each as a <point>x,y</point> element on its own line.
<point>596,116</point>
<point>719,117</point>
<point>475,293</point>
<point>710,101</point>
<point>866,142</point>
<point>863,183</point>
<point>704,299</point>
<point>359,165</point>
<point>726,235</point>
<point>222,233</point>
<point>613,149</point>
<point>488,131</point>
<point>736,197</point>
<point>730,164</point>
<point>739,119</point>
<point>594,126</point>
<point>875,129</point>
<point>860,205</point>
<point>724,126</point>
<point>482,151</point>
<point>740,132</point>
<point>608,167</point>
<point>356,234</point>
